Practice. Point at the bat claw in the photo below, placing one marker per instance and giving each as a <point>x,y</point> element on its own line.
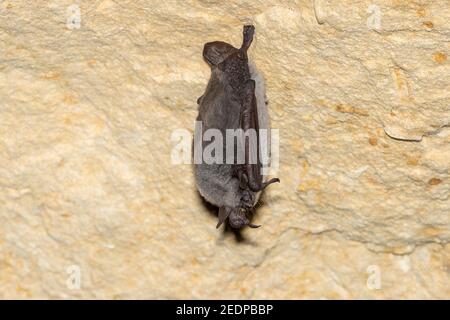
<point>251,225</point>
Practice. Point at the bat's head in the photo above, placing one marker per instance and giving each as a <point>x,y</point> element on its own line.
<point>218,52</point>
<point>238,219</point>
<point>238,216</point>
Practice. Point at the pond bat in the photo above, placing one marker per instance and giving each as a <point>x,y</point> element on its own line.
<point>233,99</point>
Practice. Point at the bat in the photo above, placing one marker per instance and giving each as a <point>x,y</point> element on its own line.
<point>233,100</point>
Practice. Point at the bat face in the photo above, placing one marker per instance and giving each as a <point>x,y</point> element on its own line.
<point>229,103</point>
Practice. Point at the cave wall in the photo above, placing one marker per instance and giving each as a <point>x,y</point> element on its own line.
<point>91,205</point>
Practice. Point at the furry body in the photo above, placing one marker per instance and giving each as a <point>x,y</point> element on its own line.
<point>234,99</point>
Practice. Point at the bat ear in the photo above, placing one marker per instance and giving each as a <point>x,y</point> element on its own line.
<point>217,51</point>
<point>224,212</point>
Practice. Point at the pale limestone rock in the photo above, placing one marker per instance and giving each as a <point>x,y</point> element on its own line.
<point>86,182</point>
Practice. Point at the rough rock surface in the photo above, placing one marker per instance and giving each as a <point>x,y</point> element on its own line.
<point>91,205</point>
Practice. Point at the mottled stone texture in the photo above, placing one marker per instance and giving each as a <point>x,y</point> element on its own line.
<point>86,181</point>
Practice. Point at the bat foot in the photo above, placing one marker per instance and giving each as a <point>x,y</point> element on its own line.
<point>248,33</point>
